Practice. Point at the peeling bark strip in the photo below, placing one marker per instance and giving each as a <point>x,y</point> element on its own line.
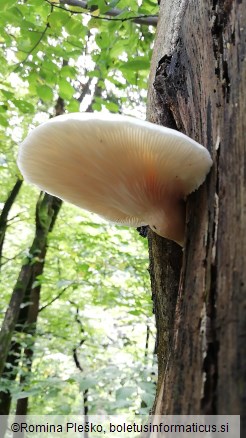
<point>197,84</point>
<point>165,264</point>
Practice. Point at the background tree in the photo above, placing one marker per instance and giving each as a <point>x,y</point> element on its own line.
<point>197,85</point>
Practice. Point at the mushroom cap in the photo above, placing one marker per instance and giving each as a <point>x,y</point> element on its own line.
<point>128,171</point>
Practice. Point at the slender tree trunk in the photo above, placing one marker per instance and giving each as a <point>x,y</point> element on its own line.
<point>11,367</point>
<point>19,319</point>
<point>197,85</point>
<point>34,296</point>
<point>5,212</point>
<point>46,211</point>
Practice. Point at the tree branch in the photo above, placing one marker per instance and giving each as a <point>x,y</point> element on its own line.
<point>21,63</point>
<point>149,20</point>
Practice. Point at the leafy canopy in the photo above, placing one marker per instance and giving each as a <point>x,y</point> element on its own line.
<point>95,287</point>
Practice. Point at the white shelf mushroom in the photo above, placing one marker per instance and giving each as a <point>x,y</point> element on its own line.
<point>126,170</point>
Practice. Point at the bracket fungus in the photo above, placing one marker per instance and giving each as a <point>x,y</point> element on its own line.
<point>129,171</point>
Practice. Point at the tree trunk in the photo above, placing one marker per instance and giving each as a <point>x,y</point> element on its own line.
<point>5,212</point>
<point>47,209</point>
<point>196,85</point>
<point>19,319</point>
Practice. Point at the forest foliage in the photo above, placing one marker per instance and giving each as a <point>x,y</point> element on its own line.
<point>92,338</point>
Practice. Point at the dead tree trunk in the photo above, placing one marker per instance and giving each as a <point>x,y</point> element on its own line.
<point>197,85</point>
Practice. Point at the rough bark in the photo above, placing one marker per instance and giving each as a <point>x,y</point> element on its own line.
<point>196,85</point>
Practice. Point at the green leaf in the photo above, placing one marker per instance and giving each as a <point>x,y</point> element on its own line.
<point>8,94</point>
<point>66,90</point>
<point>26,394</point>
<point>148,398</point>
<point>113,3</point>
<point>4,121</point>
<point>96,106</point>
<point>73,106</point>
<point>103,40</point>
<point>135,312</point>
<point>24,106</point>
<point>118,48</point>
<point>68,71</point>
<point>44,92</point>
<point>74,27</point>
<point>3,108</point>
<point>148,387</point>
<point>28,40</point>
<point>125,392</point>
<point>94,23</point>
<point>87,383</point>
<point>57,19</point>
<point>136,64</point>
<point>122,404</point>
<point>11,16</point>
<point>4,5</point>
<point>101,4</point>
<point>148,7</point>
<point>111,106</point>
<point>94,73</point>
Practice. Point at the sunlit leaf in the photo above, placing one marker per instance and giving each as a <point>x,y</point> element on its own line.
<point>44,92</point>
<point>66,90</point>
